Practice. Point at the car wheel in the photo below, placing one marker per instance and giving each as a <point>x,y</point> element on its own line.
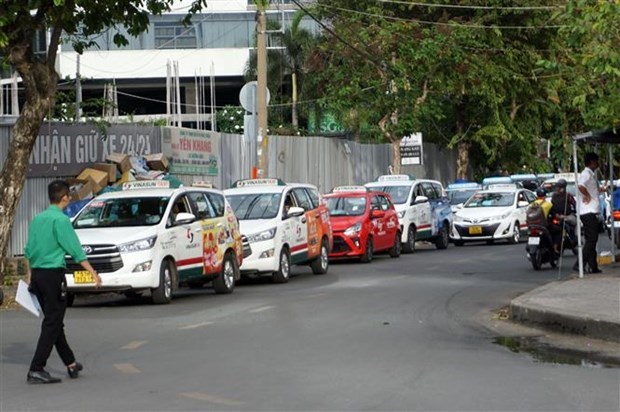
<point>321,263</point>
<point>225,282</point>
<point>409,246</point>
<point>163,293</point>
<point>283,273</point>
<point>398,246</point>
<point>443,237</point>
<point>516,235</point>
<point>368,252</point>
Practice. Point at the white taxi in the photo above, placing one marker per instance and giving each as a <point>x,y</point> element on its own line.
<point>281,224</point>
<point>492,214</point>
<point>423,209</point>
<point>152,237</point>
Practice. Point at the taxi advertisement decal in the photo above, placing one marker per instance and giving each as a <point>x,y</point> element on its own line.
<point>315,234</point>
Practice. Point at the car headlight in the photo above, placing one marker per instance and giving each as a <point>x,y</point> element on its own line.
<point>401,214</point>
<point>457,218</point>
<point>137,245</point>
<point>353,230</point>
<point>264,235</point>
<point>502,217</point>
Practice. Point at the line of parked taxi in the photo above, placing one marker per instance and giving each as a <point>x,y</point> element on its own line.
<point>150,237</point>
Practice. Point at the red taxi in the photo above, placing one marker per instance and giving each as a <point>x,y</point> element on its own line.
<point>363,223</point>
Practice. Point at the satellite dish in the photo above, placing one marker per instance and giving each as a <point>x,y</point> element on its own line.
<point>247,96</point>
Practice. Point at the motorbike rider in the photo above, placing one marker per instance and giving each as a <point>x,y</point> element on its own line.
<point>541,199</point>
<point>563,210</point>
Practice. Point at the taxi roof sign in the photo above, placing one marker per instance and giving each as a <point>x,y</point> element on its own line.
<point>394,178</point>
<point>503,186</point>
<point>201,183</point>
<point>496,180</point>
<point>146,184</point>
<point>466,185</point>
<point>352,188</point>
<point>258,182</point>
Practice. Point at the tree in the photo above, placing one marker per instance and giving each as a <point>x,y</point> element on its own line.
<point>66,21</point>
<point>469,71</point>
<point>288,62</point>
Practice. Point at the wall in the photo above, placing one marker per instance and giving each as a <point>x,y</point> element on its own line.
<point>324,162</point>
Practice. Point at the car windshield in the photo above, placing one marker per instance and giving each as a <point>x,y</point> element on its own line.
<point>399,194</point>
<point>346,206</point>
<point>134,211</point>
<point>460,196</point>
<point>495,199</point>
<point>255,205</point>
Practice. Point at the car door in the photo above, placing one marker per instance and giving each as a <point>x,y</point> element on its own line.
<point>308,223</point>
<point>377,224</point>
<point>212,228</point>
<point>390,222</point>
<point>185,240</point>
<point>422,212</point>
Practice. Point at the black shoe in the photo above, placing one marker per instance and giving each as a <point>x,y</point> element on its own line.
<point>74,371</point>
<point>41,377</point>
<point>596,271</point>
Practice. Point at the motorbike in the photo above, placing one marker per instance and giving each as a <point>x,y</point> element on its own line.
<point>539,247</point>
<point>569,240</point>
<point>614,220</point>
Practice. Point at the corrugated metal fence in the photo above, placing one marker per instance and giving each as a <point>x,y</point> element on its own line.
<point>324,162</point>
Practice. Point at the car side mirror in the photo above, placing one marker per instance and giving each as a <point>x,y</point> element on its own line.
<point>522,203</point>
<point>183,218</point>
<point>295,212</point>
<point>377,214</point>
<point>420,199</point>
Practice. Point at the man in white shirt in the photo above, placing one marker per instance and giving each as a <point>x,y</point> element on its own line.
<point>589,208</point>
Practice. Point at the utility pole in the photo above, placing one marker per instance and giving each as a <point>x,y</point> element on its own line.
<point>261,92</point>
<point>78,91</point>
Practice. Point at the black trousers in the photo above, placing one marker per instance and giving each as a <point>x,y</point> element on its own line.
<point>590,230</point>
<point>50,287</point>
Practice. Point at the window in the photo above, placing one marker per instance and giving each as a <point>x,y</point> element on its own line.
<point>302,199</point>
<point>374,203</point>
<point>180,205</point>
<point>171,35</point>
<point>384,202</point>
<point>314,197</point>
<point>202,206</point>
<point>218,203</point>
<point>428,190</point>
<point>438,189</point>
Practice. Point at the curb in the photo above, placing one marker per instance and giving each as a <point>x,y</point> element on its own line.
<point>564,322</point>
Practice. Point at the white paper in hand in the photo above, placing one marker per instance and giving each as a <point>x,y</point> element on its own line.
<point>28,300</point>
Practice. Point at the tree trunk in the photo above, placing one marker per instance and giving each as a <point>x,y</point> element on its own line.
<point>294,120</point>
<point>40,82</point>
<point>462,162</point>
<point>396,157</point>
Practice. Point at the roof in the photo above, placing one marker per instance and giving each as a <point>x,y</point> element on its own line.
<point>610,136</point>
<point>265,188</point>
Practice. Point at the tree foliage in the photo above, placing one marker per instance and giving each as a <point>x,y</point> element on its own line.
<point>71,22</point>
<point>467,77</point>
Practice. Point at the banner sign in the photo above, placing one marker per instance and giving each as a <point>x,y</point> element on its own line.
<point>66,149</point>
<point>411,150</point>
<point>192,152</point>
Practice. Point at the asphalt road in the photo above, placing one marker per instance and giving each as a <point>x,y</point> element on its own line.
<point>395,334</point>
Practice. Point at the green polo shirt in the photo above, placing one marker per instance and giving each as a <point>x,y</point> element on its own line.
<point>50,237</point>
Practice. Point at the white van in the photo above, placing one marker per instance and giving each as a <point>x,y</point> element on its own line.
<point>281,224</point>
<point>150,237</point>
<point>423,209</point>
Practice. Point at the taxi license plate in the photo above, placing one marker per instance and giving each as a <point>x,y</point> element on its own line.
<point>535,241</point>
<point>475,230</point>
<point>83,276</point>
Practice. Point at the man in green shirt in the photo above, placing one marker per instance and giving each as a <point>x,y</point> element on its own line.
<point>50,237</point>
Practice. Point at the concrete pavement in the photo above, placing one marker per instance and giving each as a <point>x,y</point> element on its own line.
<point>589,306</point>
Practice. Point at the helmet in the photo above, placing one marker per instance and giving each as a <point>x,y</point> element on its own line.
<point>561,183</point>
<point>540,192</point>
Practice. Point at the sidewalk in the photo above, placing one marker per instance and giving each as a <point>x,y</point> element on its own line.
<point>589,306</point>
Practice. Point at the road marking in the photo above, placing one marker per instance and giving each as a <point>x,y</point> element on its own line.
<point>134,344</point>
<point>261,309</point>
<point>211,398</point>
<point>316,295</point>
<point>195,325</point>
<point>127,368</point>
